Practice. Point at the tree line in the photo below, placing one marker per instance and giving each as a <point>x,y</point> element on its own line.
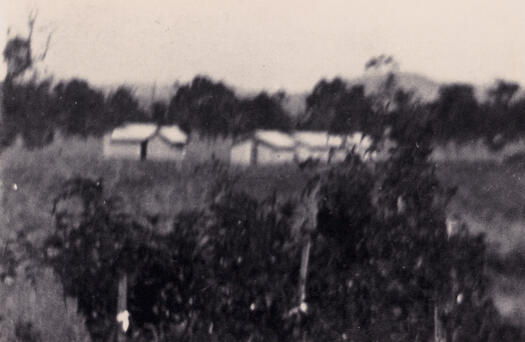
<point>37,109</point>
<point>456,114</point>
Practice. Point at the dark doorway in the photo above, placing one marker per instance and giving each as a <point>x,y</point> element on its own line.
<point>143,150</point>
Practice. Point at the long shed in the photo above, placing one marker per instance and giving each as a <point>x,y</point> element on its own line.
<point>263,147</point>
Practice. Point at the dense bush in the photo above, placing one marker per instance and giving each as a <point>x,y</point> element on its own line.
<point>211,267</point>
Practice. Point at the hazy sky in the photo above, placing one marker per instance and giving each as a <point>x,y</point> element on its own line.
<point>274,44</point>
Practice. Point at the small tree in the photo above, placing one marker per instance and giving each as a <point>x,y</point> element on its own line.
<point>81,108</point>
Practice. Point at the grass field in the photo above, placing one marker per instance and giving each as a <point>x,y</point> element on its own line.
<point>490,198</point>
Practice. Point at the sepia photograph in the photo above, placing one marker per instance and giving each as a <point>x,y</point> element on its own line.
<point>262,171</point>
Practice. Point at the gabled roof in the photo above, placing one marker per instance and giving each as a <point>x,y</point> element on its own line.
<point>173,134</point>
<point>134,132</point>
<point>318,139</point>
<point>275,138</point>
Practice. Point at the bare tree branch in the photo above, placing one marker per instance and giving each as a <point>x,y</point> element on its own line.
<point>18,51</point>
<point>46,48</point>
<point>31,23</point>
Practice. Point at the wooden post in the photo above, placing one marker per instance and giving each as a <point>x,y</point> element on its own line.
<point>143,150</point>
<point>439,333</point>
<point>310,210</point>
<point>305,257</point>
<point>122,304</point>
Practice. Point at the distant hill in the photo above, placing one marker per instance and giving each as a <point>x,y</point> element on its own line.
<point>423,87</point>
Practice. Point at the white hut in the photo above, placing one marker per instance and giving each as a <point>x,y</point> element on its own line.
<point>169,143</point>
<point>129,141</point>
<point>318,145</point>
<point>263,147</point>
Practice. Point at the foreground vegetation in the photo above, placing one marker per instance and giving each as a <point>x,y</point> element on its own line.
<point>180,201</point>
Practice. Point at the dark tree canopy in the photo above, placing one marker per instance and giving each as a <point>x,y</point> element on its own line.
<point>29,110</point>
<point>501,114</point>
<point>122,106</point>
<point>213,109</point>
<point>203,105</point>
<point>81,108</point>
<point>460,117</point>
<point>322,103</point>
<point>159,110</point>
<point>456,113</point>
<point>516,119</point>
<point>353,112</point>
<point>263,111</point>
<point>336,107</point>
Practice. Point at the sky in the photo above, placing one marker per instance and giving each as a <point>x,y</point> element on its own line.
<point>272,44</point>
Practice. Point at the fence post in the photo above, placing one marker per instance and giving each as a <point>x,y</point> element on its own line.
<point>309,224</point>
<point>439,333</point>
<point>122,305</point>
<point>305,257</point>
